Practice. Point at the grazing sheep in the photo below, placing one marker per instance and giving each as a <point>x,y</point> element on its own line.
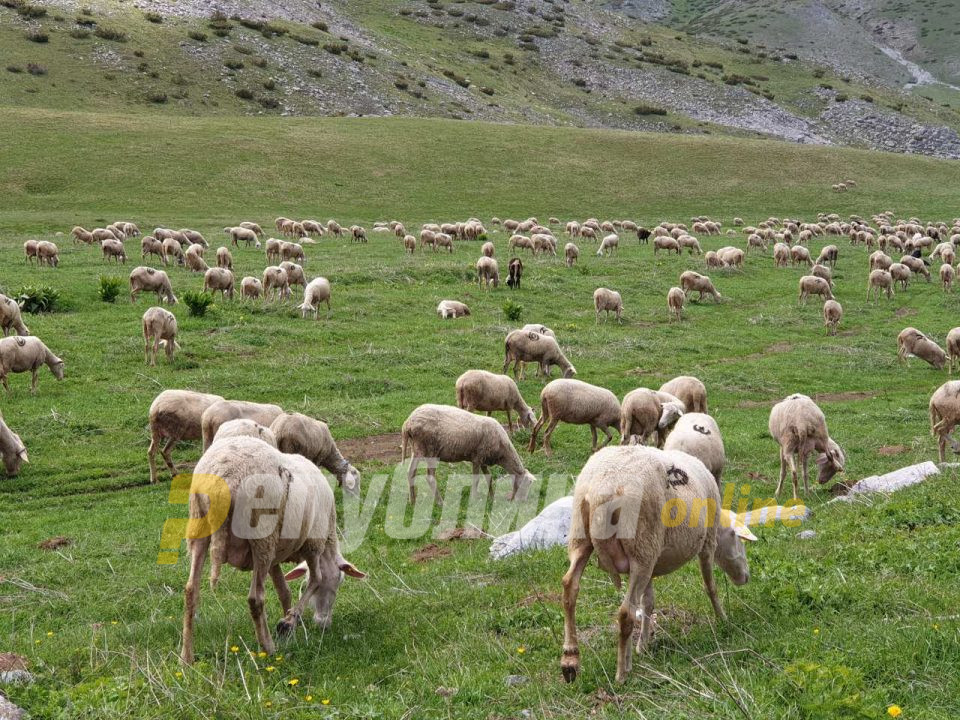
<point>605,300</point>
<point>608,245</point>
<point>487,249</point>
<point>697,434</point>
<point>618,506</point>
<point>291,251</point>
<point>828,256</point>
<point>410,244</point>
<point>427,238</point>
<point>640,414</point>
<point>219,279</point>
<point>800,428</point>
<point>690,243</point>
<point>756,241</point>
<point>250,287</point>
<point>441,433</point>
<point>257,230</point>
<point>221,411</point>
<point>273,249</point>
<point>302,435</point>
<point>879,260</point>
<point>643,235</point>
<point>675,302</point>
<point>452,309</point>
<point>573,229</point>
<point>901,274</point>
<point>689,390</point>
<point>276,285</point>
<point>713,260</point>
<point>665,243</point>
<point>911,341</point>
<point>520,242</point>
<point>172,248</point>
<point>81,235</point>
<point>159,328</point>
<point>442,240</point>
<point>224,258</point>
<point>731,257</point>
<point>832,314</point>
<point>879,281</point>
<point>149,245</point>
<point>333,227</point>
<point>194,259</point>
<point>242,427</point>
<point>577,403</point>
<point>479,390</point>
<point>813,285</point>
<point>195,238</point>
<point>359,234</point>
<point>523,346</point>
<point>48,253</point>
<point>30,251</point>
<point>113,249</point>
<point>946,277</point>
<point>691,281</point>
<point>26,354</point>
<point>318,291</point>
<point>302,492</point>
<point>953,346</point>
<point>175,415</point>
<point>571,254</point>
<point>916,265</point>
<point>945,411</point>
<point>295,274</point>
<point>514,273</point>
<point>144,278</point>
<point>488,272</point>
<point>12,448</point>
<point>799,255</point>
<point>781,254</point>
<point>315,228</point>
<point>542,329</point>
<point>241,233</point>
<point>10,317</point>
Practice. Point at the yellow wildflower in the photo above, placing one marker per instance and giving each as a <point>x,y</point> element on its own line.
<point>292,681</point>
<point>894,711</point>
<point>234,649</point>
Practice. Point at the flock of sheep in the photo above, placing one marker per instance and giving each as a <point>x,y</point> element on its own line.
<point>670,448</point>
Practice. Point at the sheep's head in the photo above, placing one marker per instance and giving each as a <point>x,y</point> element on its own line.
<point>326,593</point>
<point>56,367</point>
<point>570,372</point>
<point>669,414</point>
<point>731,555</point>
<point>830,463</point>
<point>17,456</point>
<point>528,417</point>
<point>350,479</point>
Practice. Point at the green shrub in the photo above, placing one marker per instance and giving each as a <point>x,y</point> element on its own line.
<point>29,11</point>
<point>197,35</point>
<point>85,21</point>
<point>482,238</point>
<point>154,17</point>
<point>14,69</point>
<point>487,90</point>
<point>197,302</point>
<point>38,298</point>
<point>304,40</point>
<point>259,61</point>
<point>244,93</point>
<point>867,98</point>
<point>645,109</point>
<point>269,102</point>
<point>234,64</point>
<point>512,310</point>
<point>243,49</point>
<point>110,288</point>
<point>37,36</point>
<point>401,84</point>
<point>110,34</point>
<point>335,48</point>
<point>313,72</point>
<point>319,25</point>
<point>841,97</point>
<point>269,84</point>
<point>158,98</point>
<point>35,69</point>
<point>79,34</point>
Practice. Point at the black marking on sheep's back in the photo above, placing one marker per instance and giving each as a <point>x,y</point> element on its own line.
<point>676,476</point>
<point>21,341</point>
<point>701,429</point>
<point>533,336</point>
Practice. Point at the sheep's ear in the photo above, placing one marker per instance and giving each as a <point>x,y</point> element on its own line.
<point>743,532</point>
<point>298,572</point>
<point>348,569</point>
<point>23,455</point>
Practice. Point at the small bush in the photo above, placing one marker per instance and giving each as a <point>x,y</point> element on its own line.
<point>335,48</point>
<point>234,64</point>
<point>867,98</point>
<point>38,299</point>
<point>319,25</point>
<point>269,102</point>
<point>244,93</point>
<point>197,302</point>
<point>259,62</point>
<point>35,69</point>
<point>314,73</point>
<point>14,69</point>
<point>158,98</point>
<point>110,288</point>
<point>29,11</point>
<point>37,36</point>
<point>487,90</point>
<point>819,73</point>
<point>841,97</point>
<point>197,35</point>
<point>580,82</point>
<point>138,53</point>
<point>509,59</point>
<point>110,34</point>
<point>645,109</point>
<point>221,32</point>
<point>401,84</point>
<point>79,34</point>
<point>86,22</point>
<point>243,49</point>
<point>269,85</point>
<point>304,40</point>
<point>154,17</point>
<point>512,310</point>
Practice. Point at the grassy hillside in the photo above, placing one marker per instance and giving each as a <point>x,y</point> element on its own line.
<point>843,625</point>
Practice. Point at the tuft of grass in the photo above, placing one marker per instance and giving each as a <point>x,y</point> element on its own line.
<point>108,33</point>
<point>37,36</point>
<point>197,35</point>
<point>153,17</point>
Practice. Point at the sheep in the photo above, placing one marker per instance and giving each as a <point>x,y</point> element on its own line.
<point>879,281</point>
<point>514,273</point>
<point>241,233</point>
<point>219,412</point>
<point>275,283</point>
<point>756,241</point>
<point>427,238</point>
<point>588,231</point>
<point>479,390</point>
<point>618,508</point>
<point>946,277</point>
<point>175,415</point>
<point>523,346</point>
<point>675,302</point>
<point>291,251</point>
<point>520,242</point>
<point>487,249</point>
<point>113,249</point>
<point>441,433</point>
<point>101,234</point>
<point>571,254</point>
<point>160,327</point>
<point>81,235</point>
<point>828,256</point>
<point>10,317</point>
<point>359,234</point>
<point>442,240</point>
<point>643,235</point>
<point>302,435</point>
<point>542,329</point>
<point>813,285</point>
<point>26,354</point>
<point>147,278</point>
<point>799,255</point>
<point>195,238</point>
<point>781,254</point>
<point>224,258</point>
<point>257,230</point>
<point>149,245</point>
<point>945,410</point>
<point>250,287</point>
<point>12,448</point>
<point>333,227</point>
<point>901,274</point>
<point>640,416</point>
<point>295,274</point>
<point>800,428</point>
<point>689,390</point>
<point>410,244</point>
<point>242,427</point>
<point>488,272</point>
<point>665,243</point>
<point>916,265</point>
<point>577,403</point>
<point>713,260</point>
<point>273,249</point>
<point>318,291</point>
<point>697,434</point>
<point>452,309</point>
<point>315,228</point>
<point>879,260</point>
<point>194,259</point>
<point>691,281</point>
<point>219,279</point>
<point>911,341</point>
<point>605,300</point>
<point>731,257</point>
<point>608,245</point>
<point>691,243</point>
<point>30,251</point>
<point>302,493</point>
<point>573,229</point>
<point>171,248</point>
<point>48,253</point>
<point>953,346</point>
<point>832,314</point>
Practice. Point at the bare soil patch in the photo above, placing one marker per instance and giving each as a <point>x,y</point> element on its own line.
<point>385,448</point>
<point>55,543</point>
<point>849,396</point>
<point>430,552</point>
<point>887,450</point>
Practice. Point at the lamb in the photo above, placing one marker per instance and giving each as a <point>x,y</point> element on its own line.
<point>800,256</point>
<point>250,287</point>
<point>440,433</point>
<point>487,249</point>
<point>691,281</point>
<point>879,281</point>
<point>295,274</point>
<point>12,448</point>
<point>273,249</point>
<point>781,254</point>
<point>911,341</point>
<point>30,251</point>
<point>953,346</point>
<point>113,249</point>
<point>800,428</point>
<point>618,506</point>
<point>450,309</point>
<point>605,300</point>
<point>946,277</point>
<point>608,245</point>
<point>514,273</point>
<point>159,326</point>
<point>302,492</point>
<point>665,243</point>
<point>640,416</point>
<point>48,253</point>
<point>689,390</point>
<point>488,272</point>
<point>224,258</point>
<point>945,411</point>
<point>302,435</point>
<point>242,427</point>
<point>10,317</point>
<point>523,346</point>
<point>410,244</point>
<point>813,285</point>
<point>147,278</point>
<point>175,415</point>
<point>222,410</point>
<point>291,251</point>
<point>571,254</point>
<point>832,314</point>
<point>731,256</point>
<point>241,233</point>
<point>26,354</point>
<point>479,390</point>
<point>697,434</point>
<point>193,259</point>
<point>577,403</point>
<point>828,256</point>
<point>318,291</point>
<point>275,283</point>
<point>219,279</point>
<point>900,273</point>
<point>675,301</point>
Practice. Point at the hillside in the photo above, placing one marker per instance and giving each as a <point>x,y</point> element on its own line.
<point>530,61</point>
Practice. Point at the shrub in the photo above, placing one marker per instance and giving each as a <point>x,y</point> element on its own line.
<point>401,84</point>
<point>841,97</point>
<point>154,17</point>
<point>260,62</point>
<point>197,302</point>
<point>319,25</point>
<point>197,35</point>
<point>31,11</point>
<point>313,72</point>
<point>819,73</point>
<point>110,34</point>
<point>304,40</point>
<point>487,90</point>
<point>509,59</point>
<point>335,48</point>
<point>244,93</point>
<point>158,98</point>
<point>221,32</point>
<point>37,36</point>
<point>110,288</point>
<point>35,69</point>
<point>580,82</point>
<point>645,109</point>
<point>85,22</point>
<point>38,298</point>
<point>14,69</point>
<point>512,310</point>
<point>138,53</point>
<point>269,84</point>
<point>234,64</point>
<point>269,102</point>
<point>243,49</point>
<point>79,34</point>
<point>867,98</point>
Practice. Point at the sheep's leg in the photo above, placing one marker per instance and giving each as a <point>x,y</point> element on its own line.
<point>33,382</point>
<point>509,420</point>
<point>256,603</point>
<point>532,446</point>
<point>646,618</point>
<point>783,473</point>
<point>191,594</point>
<point>167,453</point>
<point>280,585</point>
<point>146,351</point>
<point>803,461</point>
<point>171,346</point>
<point>156,349</point>
<point>547,448</point>
<point>640,577</point>
<point>593,435</point>
<point>432,480</point>
<point>706,569</point>
<point>411,475</point>
<point>570,660</point>
<point>291,617</point>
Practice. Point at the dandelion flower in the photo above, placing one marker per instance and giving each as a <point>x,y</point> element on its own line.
<point>894,711</point>
<point>49,633</point>
<point>269,668</point>
<point>178,674</point>
<point>234,649</point>
<point>521,650</point>
<point>268,704</point>
<point>261,654</point>
<point>292,681</point>
<point>113,622</point>
<point>816,631</point>
<point>279,658</point>
<point>308,698</point>
<point>325,701</point>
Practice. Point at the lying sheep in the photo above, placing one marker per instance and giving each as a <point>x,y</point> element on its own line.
<point>318,291</point>
<point>302,435</point>
<point>571,254</point>
<point>488,272</point>
<point>691,281</point>
<point>577,403</point>
<point>250,287</point>
<point>618,505</point>
<point>606,300</point>
<point>675,301</point>
<point>689,390</point>
<point>879,281</point>
<point>440,433</point>
<point>221,411</point>
<point>26,354</point>
<point>813,285</point>
<point>242,427</point>
<point>11,318</point>
<point>911,341</point>
<point>945,412</point>
<point>697,434</point>
<point>301,491</point>
<point>12,448</point>
<point>175,415</point>
<point>219,279</point>
<point>144,278</point>
<point>224,258</point>
<point>608,245</point>
<point>479,390</point>
<point>48,254</point>
<point>523,346</point>
<point>276,285</point>
<point>800,428</point>
<point>159,326</point>
<point>832,314</point>
<point>452,309</point>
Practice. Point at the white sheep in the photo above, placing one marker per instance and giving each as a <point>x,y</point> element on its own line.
<point>221,411</point>
<point>571,254</point>
<point>675,301</point>
<point>159,326</point>
<point>691,281</point>
<point>30,251</point>
<point>295,274</point>
<point>175,415</point>
<point>880,281</point>
<point>224,258</point>
<point>311,438</point>
<point>946,277</point>
<point>606,300</point>
<point>113,249</point>
<point>800,428</point>
<point>452,309</point>
<point>488,249</point>
<point>577,403</point>
<point>800,256</point>
<point>193,259</point>
<point>488,272</point>
<point>832,314</point>
<point>731,256</point>
<point>689,390</point>
<point>479,390</point>
<point>900,273</point>
<point>316,292</point>
<point>48,253</point>
<point>276,285</point>
<point>219,279</point>
<point>144,278</point>
<point>290,251</point>
<point>241,233</point>
<point>640,414</point>
<point>665,243</point>
<point>251,287</point>
<point>272,249</point>
<point>698,434</point>
<point>608,245</point>
<point>13,450</point>
<point>26,354</point>
<point>813,285</point>
<point>911,341</point>
<point>243,427</point>
<point>11,318</point>
<point>523,346</point>
<point>945,414</point>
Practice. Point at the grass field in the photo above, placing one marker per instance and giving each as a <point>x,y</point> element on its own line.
<point>843,625</point>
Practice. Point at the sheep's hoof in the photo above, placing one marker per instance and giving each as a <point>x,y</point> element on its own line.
<point>286,626</point>
<point>569,672</point>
